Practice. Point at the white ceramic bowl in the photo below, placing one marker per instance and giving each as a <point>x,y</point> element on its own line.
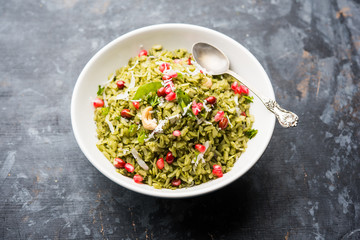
<point>172,36</point>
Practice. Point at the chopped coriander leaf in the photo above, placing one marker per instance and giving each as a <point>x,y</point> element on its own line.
<point>100,90</point>
<point>184,100</point>
<point>152,99</point>
<point>248,99</point>
<point>251,133</point>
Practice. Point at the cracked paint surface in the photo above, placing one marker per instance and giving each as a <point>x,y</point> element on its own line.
<point>305,186</point>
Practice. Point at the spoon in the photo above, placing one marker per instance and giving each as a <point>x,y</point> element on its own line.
<point>216,63</point>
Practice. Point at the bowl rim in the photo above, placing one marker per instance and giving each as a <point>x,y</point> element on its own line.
<point>160,192</point>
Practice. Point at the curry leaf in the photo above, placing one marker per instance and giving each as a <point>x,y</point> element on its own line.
<point>182,97</point>
<point>146,89</point>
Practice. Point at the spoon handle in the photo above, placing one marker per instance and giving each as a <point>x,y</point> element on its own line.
<point>285,118</point>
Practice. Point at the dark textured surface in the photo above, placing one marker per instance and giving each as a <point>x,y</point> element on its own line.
<point>305,186</point>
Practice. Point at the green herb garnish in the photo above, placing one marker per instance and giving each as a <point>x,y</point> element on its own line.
<point>105,111</point>
<point>182,97</point>
<point>100,90</point>
<point>132,129</point>
<point>145,89</point>
<point>141,137</point>
<point>251,133</point>
<point>204,114</point>
<point>180,76</point>
<point>184,100</point>
<point>248,99</point>
<point>152,99</point>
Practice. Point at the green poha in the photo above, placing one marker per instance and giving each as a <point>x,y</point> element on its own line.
<point>166,122</point>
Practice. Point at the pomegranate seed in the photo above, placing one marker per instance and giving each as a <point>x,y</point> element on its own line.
<point>195,111</point>
<point>170,75</point>
<point>177,60</point>
<point>98,102</point>
<point>161,92</point>
<point>189,61</point>
<point>223,123</point>
<point>211,100</point>
<point>119,163</point>
<point>196,107</point>
<point>171,96</point>
<point>242,90</point>
<point>160,163</point>
<point>137,178</point>
<point>136,105</point>
<point>176,133</point>
<point>216,167</point>
<point>217,171</point>
<point>243,114</point>
<point>218,116</point>
<point>169,158</point>
<point>234,86</point>
<point>200,148</point>
<point>176,182</point>
<point>245,90</point>
<point>129,167</point>
<point>166,77</point>
<point>168,89</point>
<point>120,84</point>
<point>171,84</point>
<point>173,74</point>
<point>218,174</point>
<point>126,113</point>
<point>143,53</point>
<point>164,66</point>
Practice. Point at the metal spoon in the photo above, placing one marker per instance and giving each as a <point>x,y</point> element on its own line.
<point>216,63</point>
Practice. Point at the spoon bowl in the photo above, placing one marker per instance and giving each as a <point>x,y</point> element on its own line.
<point>211,58</point>
<point>216,62</point>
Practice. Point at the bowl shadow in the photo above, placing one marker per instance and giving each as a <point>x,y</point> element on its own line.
<point>210,216</point>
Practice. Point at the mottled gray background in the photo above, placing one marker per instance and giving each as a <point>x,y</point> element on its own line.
<point>305,186</point>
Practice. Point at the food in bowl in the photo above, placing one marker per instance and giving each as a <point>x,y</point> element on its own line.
<point>164,121</point>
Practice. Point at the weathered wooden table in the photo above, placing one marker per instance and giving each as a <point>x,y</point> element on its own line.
<point>305,186</point>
